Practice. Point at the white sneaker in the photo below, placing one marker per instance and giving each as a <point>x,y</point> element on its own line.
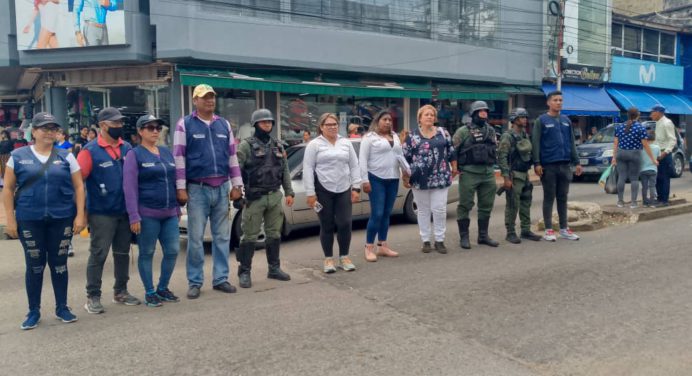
<point>550,235</point>
<point>566,233</point>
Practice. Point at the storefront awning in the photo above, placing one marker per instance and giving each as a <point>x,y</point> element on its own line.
<point>471,92</point>
<point>303,83</point>
<point>627,97</point>
<point>585,100</point>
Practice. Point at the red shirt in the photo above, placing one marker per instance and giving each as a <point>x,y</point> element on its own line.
<point>84,157</point>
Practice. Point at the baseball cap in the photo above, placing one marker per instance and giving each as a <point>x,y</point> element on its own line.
<point>658,108</point>
<point>145,119</point>
<point>202,90</point>
<point>110,114</point>
<point>42,119</point>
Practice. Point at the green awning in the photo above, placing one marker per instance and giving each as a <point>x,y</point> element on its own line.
<point>471,92</point>
<point>526,90</point>
<point>303,83</point>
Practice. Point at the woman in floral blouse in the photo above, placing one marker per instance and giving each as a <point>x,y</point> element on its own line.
<point>430,154</point>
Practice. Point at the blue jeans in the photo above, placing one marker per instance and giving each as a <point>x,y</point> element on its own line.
<point>212,203</point>
<point>45,241</point>
<point>382,199</point>
<point>166,231</point>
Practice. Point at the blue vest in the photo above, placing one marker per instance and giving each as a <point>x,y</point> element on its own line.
<point>52,196</point>
<point>556,139</point>
<point>104,186</point>
<point>206,149</point>
<point>156,178</point>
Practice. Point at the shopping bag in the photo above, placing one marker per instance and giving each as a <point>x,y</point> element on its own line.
<point>611,185</point>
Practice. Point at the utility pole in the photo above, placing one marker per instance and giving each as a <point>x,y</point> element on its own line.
<point>561,35</point>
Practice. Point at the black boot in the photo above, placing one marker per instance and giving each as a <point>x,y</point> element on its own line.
<point>513,238</point>
<point>464,233</point>
<point>531,236</point>
<point>244,256</point>
<point>483,237</point>
<point>275,272</point>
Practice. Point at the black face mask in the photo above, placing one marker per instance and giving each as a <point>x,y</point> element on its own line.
<point>115,133</point>
<point>261,134</point>
<point>478,121</point>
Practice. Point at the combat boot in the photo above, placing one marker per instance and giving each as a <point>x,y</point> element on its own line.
<point>275,272</point>
<point>483,237</point>
<point>530,236</point>
<point>244,257</point>
<point>464,233</point>
<point>512,237</point>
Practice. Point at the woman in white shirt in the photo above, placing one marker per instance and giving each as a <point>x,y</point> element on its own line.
<point>381,158</point>
<point>332,184</point>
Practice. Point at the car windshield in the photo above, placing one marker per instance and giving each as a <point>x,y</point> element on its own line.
<point>604,136</point>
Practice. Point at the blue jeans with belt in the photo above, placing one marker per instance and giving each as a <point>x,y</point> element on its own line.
<point>45,241</point>
<point>167,233</point>
<point>382,197</point>
<point>207,202</point>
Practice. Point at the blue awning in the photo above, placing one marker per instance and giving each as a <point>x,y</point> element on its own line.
<point>585,100</point>
<point>674,102</point>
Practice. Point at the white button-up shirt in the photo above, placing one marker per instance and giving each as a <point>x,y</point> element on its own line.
<point>665,135</point>
<point>379,157</point>
<point>336,165</point>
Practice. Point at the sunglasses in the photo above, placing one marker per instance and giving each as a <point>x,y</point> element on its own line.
<point>152,128</point>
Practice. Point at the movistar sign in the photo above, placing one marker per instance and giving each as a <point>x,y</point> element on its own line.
<point>646,73</point>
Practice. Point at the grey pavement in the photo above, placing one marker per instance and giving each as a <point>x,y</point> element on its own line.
<point>617,302</point>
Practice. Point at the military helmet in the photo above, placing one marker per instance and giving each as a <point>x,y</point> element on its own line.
<point>517,113</point>
<point>477,106</point>
<point>261,115</point>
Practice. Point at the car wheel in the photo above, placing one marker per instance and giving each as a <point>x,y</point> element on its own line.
<point>410,209</point>
<point>679,163</point>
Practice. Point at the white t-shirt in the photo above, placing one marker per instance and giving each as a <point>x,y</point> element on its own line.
<point>74,166</point>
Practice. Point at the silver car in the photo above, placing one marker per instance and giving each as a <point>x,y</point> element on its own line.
<point>301,216</point>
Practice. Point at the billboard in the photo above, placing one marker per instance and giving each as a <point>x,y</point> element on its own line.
<point>43,24</point>
<point>647,73</point>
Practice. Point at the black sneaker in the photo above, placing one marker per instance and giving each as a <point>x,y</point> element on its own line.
<point>167,296</point>
<point>225,287</point>
<point>152,300</point>
<point>193,292</point>
<point>531,236</point>
<point>426,247</point>
<point>440,247</point>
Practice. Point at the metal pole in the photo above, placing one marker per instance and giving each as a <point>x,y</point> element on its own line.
<point>561,15</point>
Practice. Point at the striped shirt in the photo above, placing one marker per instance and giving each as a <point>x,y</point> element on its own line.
<point>179,144</point>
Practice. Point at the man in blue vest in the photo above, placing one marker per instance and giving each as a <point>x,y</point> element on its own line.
<point>554,153</point>
<point>101,163</point>
<point>206,166</point>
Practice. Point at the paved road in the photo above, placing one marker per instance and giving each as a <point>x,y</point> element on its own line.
<point>617,302</point>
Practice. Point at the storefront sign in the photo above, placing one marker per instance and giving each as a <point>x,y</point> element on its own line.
<point>582,73</point>
<point>46,24</point>
<point>646,73</point>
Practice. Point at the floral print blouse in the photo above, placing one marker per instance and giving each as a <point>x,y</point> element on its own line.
<point>430,159</point>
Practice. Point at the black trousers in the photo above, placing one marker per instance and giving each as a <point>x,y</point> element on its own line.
<point>336,214</point>
<point>555,180</point>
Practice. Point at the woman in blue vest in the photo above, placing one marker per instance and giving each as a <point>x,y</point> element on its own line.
<point>150,197</point>
<point>44,216</point>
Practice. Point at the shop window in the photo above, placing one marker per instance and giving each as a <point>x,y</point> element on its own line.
<point>633,39</point>
<point>300,112</point>
<point>650,42</point>
<point>667,45</point>
<point>616,36</point>
<point>237,106</point>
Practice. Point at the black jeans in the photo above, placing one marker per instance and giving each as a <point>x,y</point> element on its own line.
<point>555,180</point>
<point>336,213</point>
<point>666,168</point>
<point>45,241</point>
<point>106,231</point>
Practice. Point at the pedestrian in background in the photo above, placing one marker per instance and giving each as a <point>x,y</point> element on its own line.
<point>45,210</point>
<point>430,154</point>
<point>149,186</point>
<point>630,139</point>
<point>476,146</point>
<point>649,172</point>
<point>206,166</point>
<point>6,147</point>
<point>515,159</point>
<point>667,141</point>
<point>381,160</point>
<point>262,160</point>
<point>61,141</point>
<point>332,185</point>
<point>92,134</point>
<point>101,163</point>
<point>554,154</point>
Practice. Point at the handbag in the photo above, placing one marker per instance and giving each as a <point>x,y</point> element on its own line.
<point>604,176</point>
<point>611,185</point>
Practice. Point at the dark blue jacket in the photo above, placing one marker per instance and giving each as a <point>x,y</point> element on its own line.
<point>104,186</point>
<point>206,148</point>
<point>556,139</point>
<point>52,196</point>
<point>156,178</point>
